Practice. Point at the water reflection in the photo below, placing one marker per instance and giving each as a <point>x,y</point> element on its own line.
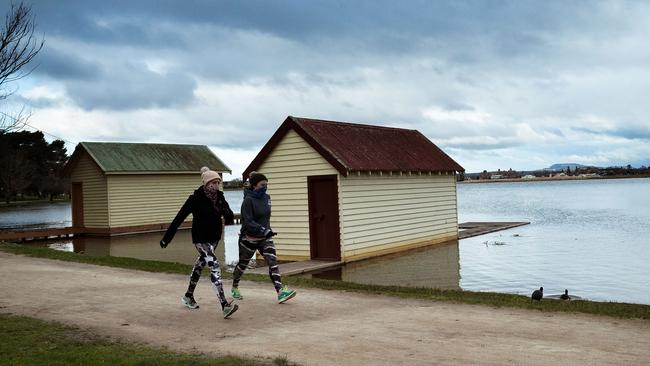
<point>35,215</point>
<point>434,267</point>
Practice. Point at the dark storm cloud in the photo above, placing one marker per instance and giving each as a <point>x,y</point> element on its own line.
<point>59,65</point>
<point>132,86</point>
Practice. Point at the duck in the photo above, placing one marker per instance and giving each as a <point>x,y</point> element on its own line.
<point>565,296</point>
<point>537,294</point>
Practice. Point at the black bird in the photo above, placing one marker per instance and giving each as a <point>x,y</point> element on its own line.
<point>538,294</point>
<point>566,295</point>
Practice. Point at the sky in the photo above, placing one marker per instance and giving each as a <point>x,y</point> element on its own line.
<point>495,84</point>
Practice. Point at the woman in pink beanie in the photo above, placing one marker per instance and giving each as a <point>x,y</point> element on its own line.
<point>207,205</point>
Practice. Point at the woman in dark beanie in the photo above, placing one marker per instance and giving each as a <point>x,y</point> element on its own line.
<point>256,235</point>
<point>207,205</point>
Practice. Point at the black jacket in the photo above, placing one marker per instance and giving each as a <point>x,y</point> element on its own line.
<point>255,214</point>
<point>206,224</point>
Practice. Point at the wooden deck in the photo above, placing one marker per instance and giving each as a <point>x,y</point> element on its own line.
<point>470,229</point>
<point>39,234</point>
<point>296,268</point>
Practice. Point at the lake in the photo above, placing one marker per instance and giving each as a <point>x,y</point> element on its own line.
<point>590,237</point>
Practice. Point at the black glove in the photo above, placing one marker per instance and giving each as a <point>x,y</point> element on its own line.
<point>270,234</point>
<point>163,244</point>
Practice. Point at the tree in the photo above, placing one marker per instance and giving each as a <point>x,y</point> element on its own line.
<point>28,164</point>
<point>18,46</point>
<point>15,174</point>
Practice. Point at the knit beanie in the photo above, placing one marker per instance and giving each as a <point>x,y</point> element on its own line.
<point>208,175</point>
<point>255,178</point>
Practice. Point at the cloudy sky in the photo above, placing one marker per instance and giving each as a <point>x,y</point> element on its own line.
<point>496,84</point>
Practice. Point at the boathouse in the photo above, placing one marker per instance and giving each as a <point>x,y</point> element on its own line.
<point>344,191</point>
<point>120,188</point>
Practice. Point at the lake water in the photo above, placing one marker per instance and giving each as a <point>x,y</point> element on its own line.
<point>590,237</point>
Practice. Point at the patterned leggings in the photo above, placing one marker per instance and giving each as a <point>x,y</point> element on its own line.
<point>207,257</point>
<point>267,249</point>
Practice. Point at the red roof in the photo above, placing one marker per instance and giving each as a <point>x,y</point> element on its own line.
<point>353,147</point>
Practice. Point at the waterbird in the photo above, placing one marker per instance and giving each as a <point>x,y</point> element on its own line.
<point>537,294</point>
<point>566,295</point>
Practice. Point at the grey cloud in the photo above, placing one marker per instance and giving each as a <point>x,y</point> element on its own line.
<point>61,65</point>
<point>133,87</point>
<point>631,133</point>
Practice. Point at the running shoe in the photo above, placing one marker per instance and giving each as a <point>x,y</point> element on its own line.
<point>189,302</point>
<point>285,294</point>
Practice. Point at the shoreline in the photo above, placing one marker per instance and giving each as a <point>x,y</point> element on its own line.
<point>549,179</point>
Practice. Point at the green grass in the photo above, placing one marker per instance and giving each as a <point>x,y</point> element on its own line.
<point>28,341</point>
<point>613,309</point>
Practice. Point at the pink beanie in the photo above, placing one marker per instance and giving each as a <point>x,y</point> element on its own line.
<point>208,175</point>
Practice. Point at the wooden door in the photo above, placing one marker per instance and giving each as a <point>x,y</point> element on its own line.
<point>77,205</point>
<point>324,232</point>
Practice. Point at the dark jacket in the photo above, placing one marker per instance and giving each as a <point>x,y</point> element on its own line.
<point>206,223</point>
<point>255,214</point>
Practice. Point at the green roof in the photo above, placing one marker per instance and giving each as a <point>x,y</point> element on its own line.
<point>117,157</point>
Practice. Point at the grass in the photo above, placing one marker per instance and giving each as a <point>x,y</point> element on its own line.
<point>612,309</point>
<point>28,341</point>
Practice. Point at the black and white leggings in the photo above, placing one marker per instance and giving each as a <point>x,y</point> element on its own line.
<point>267,249</point>
<point>207,257</point>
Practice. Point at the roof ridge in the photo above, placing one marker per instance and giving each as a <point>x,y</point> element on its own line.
<point>351,124</point>
<point>139,143</point>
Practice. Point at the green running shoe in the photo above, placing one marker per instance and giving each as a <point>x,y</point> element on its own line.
<point>236,294</point>
<point>285,294</point>
<point>229,309</point>
<point>189,302</point>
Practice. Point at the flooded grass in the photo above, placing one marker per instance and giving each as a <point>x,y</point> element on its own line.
<point>28,341</point>
<point>612,309</point>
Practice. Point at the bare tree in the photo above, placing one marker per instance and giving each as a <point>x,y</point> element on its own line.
<point>18,46</point>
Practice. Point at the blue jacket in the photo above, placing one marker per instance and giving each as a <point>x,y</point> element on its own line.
<point>255,214</point>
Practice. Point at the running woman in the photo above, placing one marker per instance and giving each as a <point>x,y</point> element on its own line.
<point>256,235</point>
<point>207,205</point>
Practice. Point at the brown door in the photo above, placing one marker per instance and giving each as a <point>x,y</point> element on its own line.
<point>77,205</point>
<point>324,232</point>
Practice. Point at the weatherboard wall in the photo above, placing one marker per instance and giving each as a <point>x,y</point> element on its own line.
<point>287,168</point>
<point>394,212</point>
<point>136,200</point>
<point>95,194</point>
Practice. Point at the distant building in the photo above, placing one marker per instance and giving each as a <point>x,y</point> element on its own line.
<point>496,176</point>
<point>129,187</point>
<point>528,176</point>
<point>344,191</point>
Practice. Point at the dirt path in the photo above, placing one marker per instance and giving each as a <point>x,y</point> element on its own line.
<point>317,328</point>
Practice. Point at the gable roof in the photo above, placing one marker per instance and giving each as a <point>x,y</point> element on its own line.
<point>138,158</point>
<point>350,147</point>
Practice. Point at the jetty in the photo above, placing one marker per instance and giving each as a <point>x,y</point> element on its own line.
<point>465,230</point>
<point>470,229</point>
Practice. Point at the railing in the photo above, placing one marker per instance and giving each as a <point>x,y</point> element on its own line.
<point>237,219</point>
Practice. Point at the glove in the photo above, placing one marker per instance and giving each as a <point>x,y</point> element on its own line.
<point>270,234</point>
<point>163,244</point>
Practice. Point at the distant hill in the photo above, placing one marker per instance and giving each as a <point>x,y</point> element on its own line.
<point>563,166</point>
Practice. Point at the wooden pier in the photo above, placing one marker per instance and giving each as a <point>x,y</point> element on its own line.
<point>300,267</point>
<point>470,229</point>
<point>39,234</point>
<point>466,230</point>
